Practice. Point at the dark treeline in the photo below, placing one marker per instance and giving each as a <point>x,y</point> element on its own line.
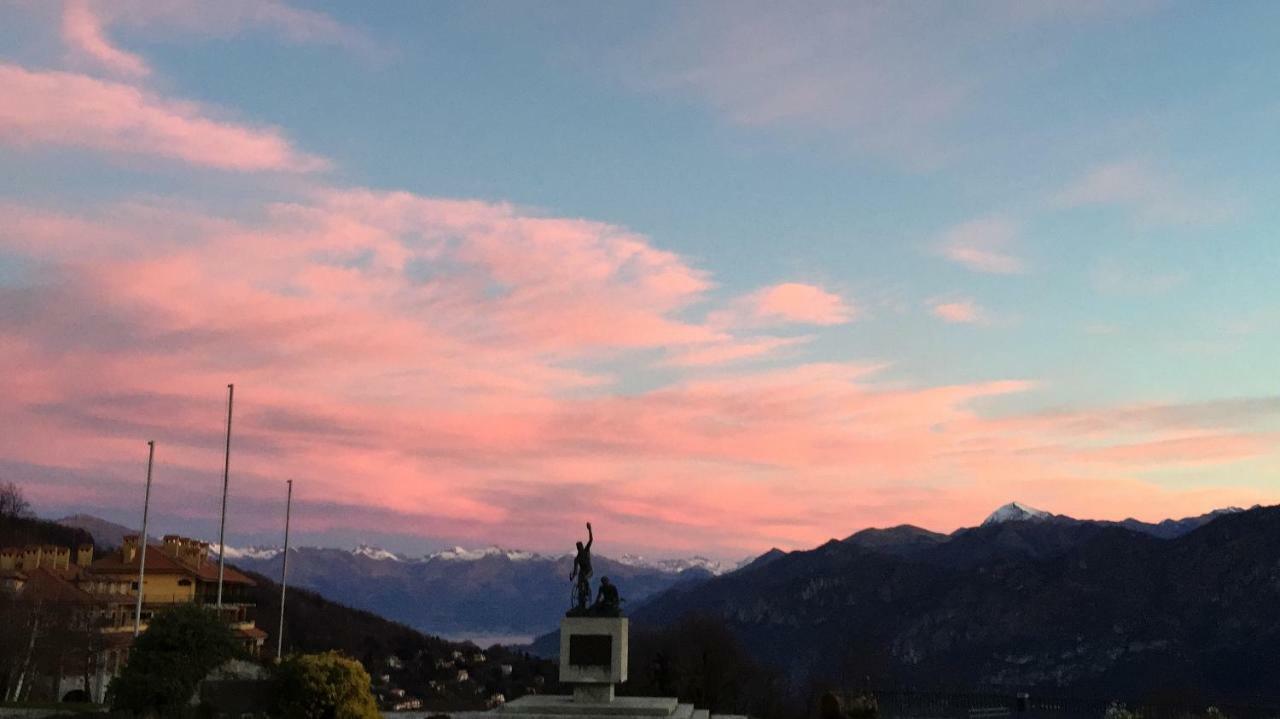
<point>39,640</point>
<point>315,624</point>
<point>44,639</point>
<point>698,660</point>
<point>20,531</point>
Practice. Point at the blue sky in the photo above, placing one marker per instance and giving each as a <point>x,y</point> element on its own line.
<point>1077,197</point>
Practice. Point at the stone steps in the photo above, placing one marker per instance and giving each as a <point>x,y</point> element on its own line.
<point>541,706</point>
<point>683,711</point>
<point>563,707</point>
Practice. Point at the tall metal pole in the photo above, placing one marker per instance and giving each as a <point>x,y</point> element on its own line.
<point>226,473</point>
<point>142,556</point>
<point>284,571</point>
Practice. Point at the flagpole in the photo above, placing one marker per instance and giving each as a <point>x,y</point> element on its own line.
<point>226,473</point>
<point>142,556</point>
<point>284,570</point>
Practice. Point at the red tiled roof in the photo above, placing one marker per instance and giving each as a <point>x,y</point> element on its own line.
<point>160,561</point>
<point>51,585</point>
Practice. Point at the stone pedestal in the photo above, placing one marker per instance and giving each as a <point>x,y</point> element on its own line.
<point>592,693</point>
<point>593,655</point>
<point>593,659</point>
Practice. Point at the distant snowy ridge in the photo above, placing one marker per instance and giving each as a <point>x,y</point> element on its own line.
<point>1019,512</point>
<point>461,554</point>
<point>1015,512</point>
<point>262,553</point>
<point>377,553</point>
<point>267,553</point>
<point>676,566</point>
<point>458,554</point>
<point>1011,512</point>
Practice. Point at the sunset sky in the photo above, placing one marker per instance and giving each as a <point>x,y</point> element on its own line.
<point>714,276</point>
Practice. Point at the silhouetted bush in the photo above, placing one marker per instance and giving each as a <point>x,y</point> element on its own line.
<point>698,660</point>
<point>181,646</point>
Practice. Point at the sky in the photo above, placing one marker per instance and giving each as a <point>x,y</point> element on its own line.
<point>714,276</point>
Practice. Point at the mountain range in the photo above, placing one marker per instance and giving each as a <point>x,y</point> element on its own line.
<point>1028,601</point>
<point>494,594</point>
<point>486,595</point>
<point>403,661</point>
<point>481,595</point>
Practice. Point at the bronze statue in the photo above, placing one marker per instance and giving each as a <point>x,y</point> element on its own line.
<point>608,603</point>
<point>582,572</point>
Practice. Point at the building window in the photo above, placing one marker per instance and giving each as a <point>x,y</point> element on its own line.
<point>184,582</point>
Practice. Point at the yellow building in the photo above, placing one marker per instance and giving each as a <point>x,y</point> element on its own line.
<point>103,593</point>
<point>178,571</point>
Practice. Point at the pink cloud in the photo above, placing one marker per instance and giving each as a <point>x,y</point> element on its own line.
<point>82,31</point>
<point>958,311</point>
<point>428,365</point>
<point>69,110</point>
<point>733,350</point>
<point>790,302</point>
<point>85,24</point>
<point>983,245</point>
<point>1207,449</point>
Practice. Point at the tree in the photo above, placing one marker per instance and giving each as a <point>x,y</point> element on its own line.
<point>13,503</point>
<point>180,647</point>
<point>19,630</point>
<point>324,686</point>
<point>699,660</point>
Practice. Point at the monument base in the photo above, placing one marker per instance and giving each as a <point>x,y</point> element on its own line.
<point>593,693</point>
<point>593,659</point>
<point>593,650</point>
<point>559,705</point>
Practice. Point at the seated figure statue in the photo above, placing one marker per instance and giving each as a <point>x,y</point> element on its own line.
<point>608,603</point>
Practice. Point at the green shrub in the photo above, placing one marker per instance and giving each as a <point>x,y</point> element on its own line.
<point>1116,710</point>
<point>324,686</point>
<point>181,645</point>
<point>863,706</point>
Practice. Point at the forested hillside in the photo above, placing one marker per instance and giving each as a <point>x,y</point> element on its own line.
<point>406,665</point>
<point>1050,605</point>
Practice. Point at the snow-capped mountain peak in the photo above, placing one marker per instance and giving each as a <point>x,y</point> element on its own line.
<point>262,553</point>
<point>676,566</point>
<point>1015,512</point>
<point>376,553</point>
<point>458,554</point>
